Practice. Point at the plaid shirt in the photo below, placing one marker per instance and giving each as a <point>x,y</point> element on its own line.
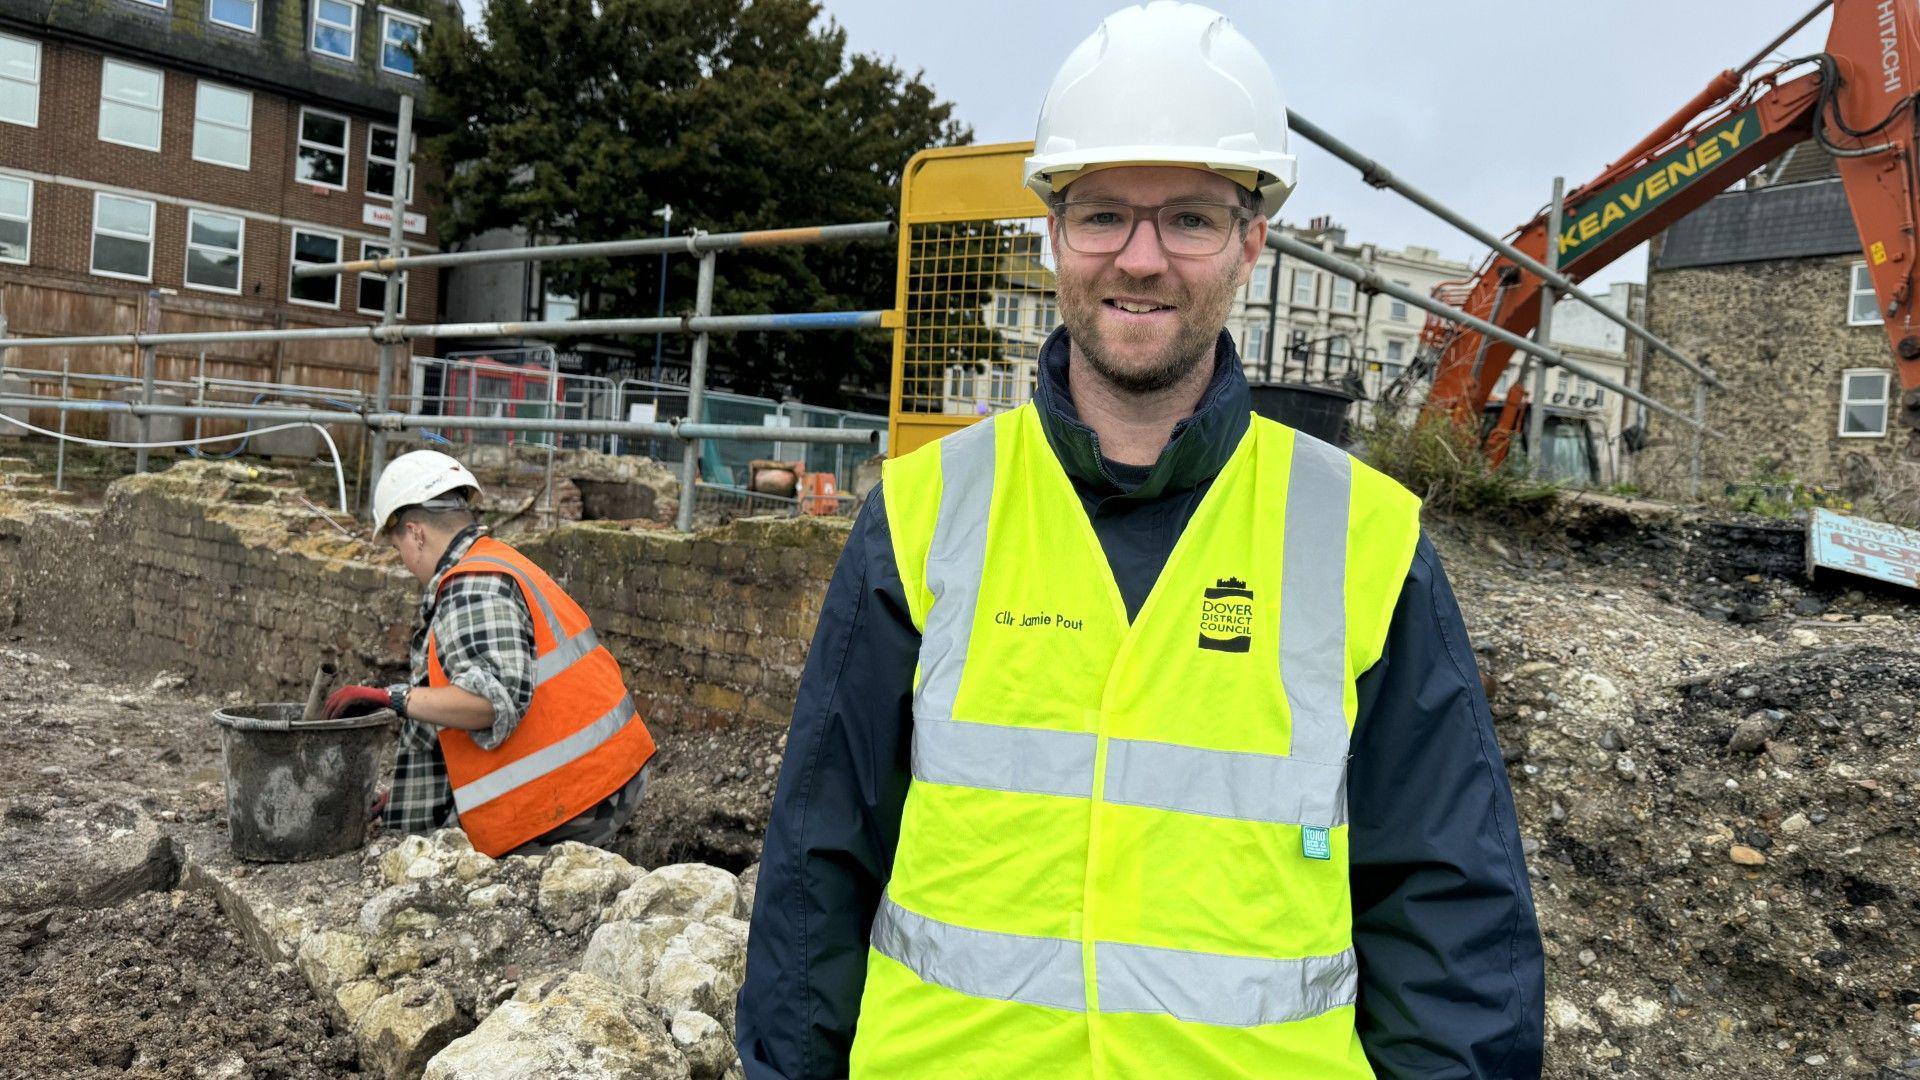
<point>484,636</point>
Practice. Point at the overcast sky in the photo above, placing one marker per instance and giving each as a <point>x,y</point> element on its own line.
<point>1479,102</point>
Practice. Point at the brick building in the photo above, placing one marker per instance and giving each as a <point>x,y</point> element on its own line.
<point>1769,284</point>
<point>164,162</point>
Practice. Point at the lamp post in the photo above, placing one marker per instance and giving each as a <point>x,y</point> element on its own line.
<point>665,214</point>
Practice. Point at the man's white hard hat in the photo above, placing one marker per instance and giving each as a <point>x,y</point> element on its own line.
<point>412,479</point>
<point>1165,83</point>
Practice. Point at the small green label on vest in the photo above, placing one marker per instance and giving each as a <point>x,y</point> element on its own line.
<point>1314,843</point>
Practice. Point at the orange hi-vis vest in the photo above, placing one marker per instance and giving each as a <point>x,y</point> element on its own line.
<point>580,740</point>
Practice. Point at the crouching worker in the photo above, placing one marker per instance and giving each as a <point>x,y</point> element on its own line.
<point>517,721</point>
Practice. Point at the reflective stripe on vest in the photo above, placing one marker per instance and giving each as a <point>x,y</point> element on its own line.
<point>1206,988</point>
<point>567,651</point>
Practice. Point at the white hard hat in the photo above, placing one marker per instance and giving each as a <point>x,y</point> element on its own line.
<point>1165,83</point>
<point>415,478</point>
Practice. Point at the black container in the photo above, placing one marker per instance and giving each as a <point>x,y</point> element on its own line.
<point>298,790</point>
<point>1320,411</point>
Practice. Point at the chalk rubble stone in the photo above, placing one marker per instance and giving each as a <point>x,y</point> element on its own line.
<point>749,883</point>
<point>625,951</point>
<point>487,897</point>
<point>579,1026</point>
<point>401,857</point>
<point>380,910</point>
<point>725,947</point>
<point>688,890</point>
<point>402,1030</point>
<point>704,1042</point>
<point>683,982</point>
<point>355,998</point>
<point>451,841</point>
<point>472,866</point>
<point>330,959</point>
<point>576,883</point>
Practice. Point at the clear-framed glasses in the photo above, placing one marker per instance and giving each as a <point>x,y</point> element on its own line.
<point>1191,229</point>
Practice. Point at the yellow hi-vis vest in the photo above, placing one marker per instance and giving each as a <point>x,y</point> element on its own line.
<point>1124,851</point>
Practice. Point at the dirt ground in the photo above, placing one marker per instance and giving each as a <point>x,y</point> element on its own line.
<point>159,986</point>
<point>1714,760</point>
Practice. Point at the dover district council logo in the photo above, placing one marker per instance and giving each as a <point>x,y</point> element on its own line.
<point>1226,616</point>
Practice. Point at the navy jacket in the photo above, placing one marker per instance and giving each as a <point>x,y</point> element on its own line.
<point>1451,972</point>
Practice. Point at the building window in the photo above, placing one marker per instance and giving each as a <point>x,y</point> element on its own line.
<point>1256,344</point>
<point>1006,310</point>
<point>1262,281</point>
<point>16,219</point>
<point>1001,387</point>
<point>19,81</point>
<point>235,14</point>
<point>1046,316</point>
<point>1338,348</point>
<point>335,24</point>
<point>383,160</point>
<point>1396,352</point>
<point>322,157</point>
<point>960,382</point>
<point>223,126</point>
<point>373,286</point>
<point>1863,402</point>
<point>214,244</point>
<point>322,290</point>
<point>122,237</point>
<point>399,40</point>
<point>130,100</point>
<point>1342,294</point>
<point>559,306</point>
<point>1863,306</point>
<point>1397,310</point>
<point>152,3</point>
<point>1306,286</point>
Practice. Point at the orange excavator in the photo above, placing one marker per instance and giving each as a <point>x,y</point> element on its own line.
<point>1856,102</point>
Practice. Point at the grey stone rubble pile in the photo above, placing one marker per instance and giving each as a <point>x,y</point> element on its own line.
<point>650,996</point>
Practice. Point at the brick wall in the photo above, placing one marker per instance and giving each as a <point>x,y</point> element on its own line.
<point>211,571</point>
<point>1777,334</point>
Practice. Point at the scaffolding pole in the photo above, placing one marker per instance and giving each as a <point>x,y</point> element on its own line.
<point>691,244</point>
<point>674,429</point>
<point>696,396</point>
<point>1537,415</point>
<point>390,305</point>
<point>1307,253</point>
<point>1379,176</point>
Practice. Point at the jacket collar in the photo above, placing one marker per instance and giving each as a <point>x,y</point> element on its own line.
<point>1196,452</point>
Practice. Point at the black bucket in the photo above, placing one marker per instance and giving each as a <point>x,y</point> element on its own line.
<point>297,790</point>
<point>1320,411</point>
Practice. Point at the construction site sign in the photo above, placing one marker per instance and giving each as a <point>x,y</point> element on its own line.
<point>1868,548</point>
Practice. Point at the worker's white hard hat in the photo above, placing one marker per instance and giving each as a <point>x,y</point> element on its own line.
<point>1165,83</point>
<point>412,479</point>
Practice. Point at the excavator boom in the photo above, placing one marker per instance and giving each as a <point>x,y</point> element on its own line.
<point>1857,102</point>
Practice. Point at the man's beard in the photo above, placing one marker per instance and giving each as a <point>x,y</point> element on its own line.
<point>1201,320</point>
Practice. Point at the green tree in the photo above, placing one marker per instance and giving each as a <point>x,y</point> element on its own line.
<point>577,119</point>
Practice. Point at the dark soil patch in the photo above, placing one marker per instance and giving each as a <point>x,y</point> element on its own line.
<point>160,986</point>
<point>708,798</point>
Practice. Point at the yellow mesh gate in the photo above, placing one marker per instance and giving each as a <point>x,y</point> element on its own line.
<point>975,299</point>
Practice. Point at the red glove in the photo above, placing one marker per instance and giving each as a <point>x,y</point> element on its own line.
<point>356,701</point>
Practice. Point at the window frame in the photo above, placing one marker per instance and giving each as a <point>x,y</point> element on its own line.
<point>1885,402</point>
<point>1396,307</point>
<point>1256,344</point>
<point>1312,279</point>
<point>1333,296</point>
<point>94,233</point>
<point>161,4</point>
<point>366,170</point>
<point>1854,293</point>
<point>200,86</point>
<point>345,149</point>
<point>1256,288</point>
<point>253,4</point>
<point>159,107</point>
<point>27,221</point>
<point>389,16</point>
<point>1006,311</point>
<point>39,65</point>
<point>377,275</point>
<point>314,23</point>
<point>239,253</point>
<point>1388,354</point>
<point>293,260</point>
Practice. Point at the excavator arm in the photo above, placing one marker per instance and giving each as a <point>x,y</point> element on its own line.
<point>1858,102</point>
